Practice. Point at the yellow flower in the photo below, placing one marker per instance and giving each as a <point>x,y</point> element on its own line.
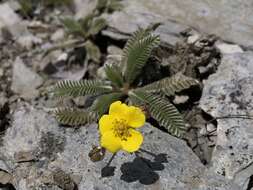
<point>117,129</point>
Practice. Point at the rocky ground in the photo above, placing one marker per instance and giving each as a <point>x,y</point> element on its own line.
<point>207,40</point>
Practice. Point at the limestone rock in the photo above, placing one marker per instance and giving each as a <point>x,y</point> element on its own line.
<point>8,17</point>
<point>124,23</point>
<point>229,48</point>
<point>214,17</point>
<point>25,81</point>
<point>229,92</point>
<point>62,153</point>
<point>58,35</point>
<point>84,7</point>
<point>28,40</point>
<point>17,27</point>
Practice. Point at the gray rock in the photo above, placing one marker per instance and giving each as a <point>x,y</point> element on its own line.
<point>47,63</point>
<point>203,131</point>
<point>180,99</point>
<point>3,99</point>
<point>8,17</point>
<point>3,165</point>
<point>214,17</point>
<point>62,57</point>
<point>27,40</point>
<point>62,153</point>
<point>5,177</point>
<point>193,38</point>
<point>211,127</point>
<point>122,24</point>
<point>84,7</point>
<point>229,92</point>
<point>25,81</point>
<point>10,21</point>
<point>101,73</point>
<point>169,32</point>
<point>1,72</point>
<point>115,35</point>
<point>128,21</point>
<point>114,50</point>
<point>58,35</point>
<point>14,5</point>
<point>228,48</point>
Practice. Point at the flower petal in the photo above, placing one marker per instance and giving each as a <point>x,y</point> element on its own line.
<point>118,108</point>
<point>110,142</point>
<point>136,117</point>
<point>134,142</point>
<point>106,123</point>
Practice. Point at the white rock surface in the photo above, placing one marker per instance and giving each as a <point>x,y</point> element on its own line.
<point>192,39</point>
<point>229,48</point>
<point>8,17</point>
<point>124,23</point>
<point>84,7</point>
<point>170,163</point>
<point>230,92</point>
<point>230,20</point>
<point>58,35</point>
<point>25,81</point>
<point>16,26</point>
<point>28,40</point>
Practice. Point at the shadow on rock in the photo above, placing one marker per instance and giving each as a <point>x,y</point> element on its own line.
<point>108,171</point>
<point>143,170</point>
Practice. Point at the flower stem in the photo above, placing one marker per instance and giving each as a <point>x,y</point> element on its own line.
<point>111,159</point>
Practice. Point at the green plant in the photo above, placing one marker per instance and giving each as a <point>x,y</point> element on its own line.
<point>122,84</point>
<point>56,2</point>
<point>108,6</point>
<point>28,6</point>
<point>86,29</point>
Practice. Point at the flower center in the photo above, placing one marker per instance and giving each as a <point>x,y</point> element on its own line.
<point>121,129</point>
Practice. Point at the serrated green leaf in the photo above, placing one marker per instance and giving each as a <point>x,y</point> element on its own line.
<point>137,36</point>
<point>114,5</point>
<point>137,52</point>
<point>80,88</point>
<point>113,73</point>
<point>86,22</point>
<point>93,51</point>
<point>163,111</point>
<point>71,116</point>
<point>108,5</point>
<point>170,85</point>
<point>56,2</point>
<point>101,4</point>
<point>97,25</point>
<point>102,103</point>
<point>26,7</point>
<point>73,27</point>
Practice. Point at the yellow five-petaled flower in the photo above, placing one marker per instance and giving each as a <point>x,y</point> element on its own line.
<point>117,129</point>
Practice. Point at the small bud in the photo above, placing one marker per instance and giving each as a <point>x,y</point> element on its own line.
<point>97,153</point>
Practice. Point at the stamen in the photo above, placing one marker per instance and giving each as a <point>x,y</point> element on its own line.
<point>121,129</point>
